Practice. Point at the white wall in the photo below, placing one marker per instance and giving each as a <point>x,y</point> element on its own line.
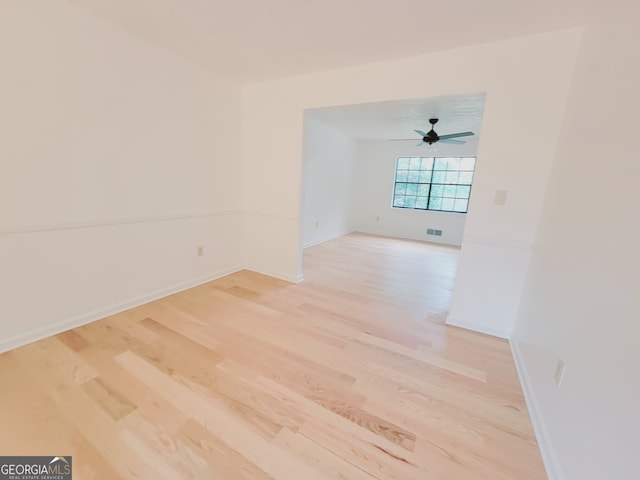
<point>117,160</point>
<point>329,167</point>
<point>372,213</point>
<point>580,300</point>
<point>526,81</point>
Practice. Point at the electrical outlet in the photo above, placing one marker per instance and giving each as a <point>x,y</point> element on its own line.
<point>559,375</point>
<point>200,251</point>
<point>431,231</point>
<point>438,233</point>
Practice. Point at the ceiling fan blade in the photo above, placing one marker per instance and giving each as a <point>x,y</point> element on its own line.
<point>452,141</point>
<point>421,133</point>
<point>420,144</point>
<point>456,135</point>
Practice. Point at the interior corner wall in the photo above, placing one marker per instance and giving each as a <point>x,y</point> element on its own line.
<point>373,192</point>
<point>118,159</point>
<point>526,81</point>
<point>328,172</point>
<point>580,298</point>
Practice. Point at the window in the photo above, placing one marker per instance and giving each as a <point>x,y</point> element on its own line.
<point>428,183</point>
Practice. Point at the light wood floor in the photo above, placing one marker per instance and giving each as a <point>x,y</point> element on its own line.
<point>349,375</point>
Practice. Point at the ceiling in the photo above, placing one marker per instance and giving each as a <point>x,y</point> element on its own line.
<point>399,118</point>
<point>255,40</point>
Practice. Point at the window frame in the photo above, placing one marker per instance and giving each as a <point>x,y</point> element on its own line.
<point>431,184</point>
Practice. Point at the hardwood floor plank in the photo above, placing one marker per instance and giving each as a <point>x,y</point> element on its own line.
<point>351,374</point>
<point>98,429</point>
<point>330,464</point>
<point>116,405</point>
<point>423,355</point>
<point>208,408</point>
<point>169,453</point>
<point>224,461</point>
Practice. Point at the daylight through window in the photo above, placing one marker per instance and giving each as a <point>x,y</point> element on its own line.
<point>433,183</point>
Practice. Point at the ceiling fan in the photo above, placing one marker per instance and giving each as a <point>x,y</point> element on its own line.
<point>432,137</point>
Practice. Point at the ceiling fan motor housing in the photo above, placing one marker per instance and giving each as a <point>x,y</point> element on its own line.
<point>431,136</point>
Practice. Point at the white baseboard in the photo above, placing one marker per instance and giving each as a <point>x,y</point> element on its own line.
<point>282,276</point>
<point>59,327</point>
<point>416,238</point>
<point>325,239</point>
<point>549,457</point>
<point>477,327</point>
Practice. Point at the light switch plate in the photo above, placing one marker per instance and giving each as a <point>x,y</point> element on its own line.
<point>559,375</point>
<point>500,197</point>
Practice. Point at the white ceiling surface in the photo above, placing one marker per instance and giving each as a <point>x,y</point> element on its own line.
<point>255,40</point>
<point>399,118</point>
